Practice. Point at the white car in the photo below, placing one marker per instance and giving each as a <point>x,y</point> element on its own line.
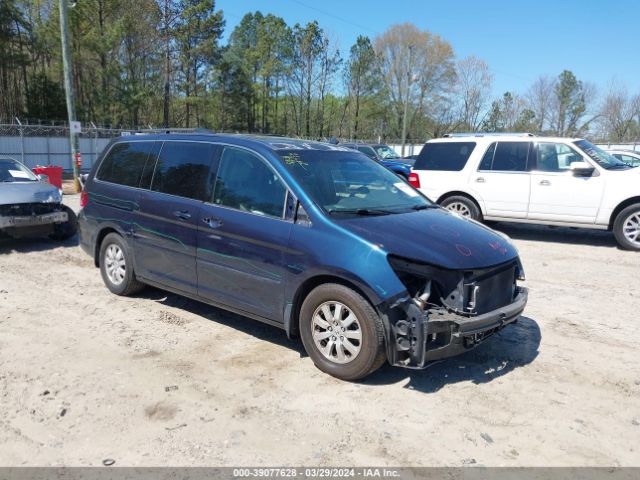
<point>523,178</point>
<point>630,157</point>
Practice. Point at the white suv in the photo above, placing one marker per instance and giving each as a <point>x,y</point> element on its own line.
<point>542,180</point>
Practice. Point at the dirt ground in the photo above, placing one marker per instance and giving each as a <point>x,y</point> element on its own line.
<point>160,380</point>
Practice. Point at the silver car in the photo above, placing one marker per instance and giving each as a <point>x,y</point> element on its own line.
<point>31,207</point>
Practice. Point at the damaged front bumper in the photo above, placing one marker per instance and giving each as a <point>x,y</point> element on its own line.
<point>437,321</point>
<point>33,220</point>
<point>433,334</point>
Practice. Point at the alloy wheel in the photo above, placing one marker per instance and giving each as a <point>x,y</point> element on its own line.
<point>631,228</point>
<point>114,263</point>
<point>459,208</point>
<point>336,332</point>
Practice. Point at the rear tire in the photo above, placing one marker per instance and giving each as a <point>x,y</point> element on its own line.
<point>116,266</point>
<point>463,206</point>
<point>626,228</point>
<point>66,230</point>
<point>341,332</point>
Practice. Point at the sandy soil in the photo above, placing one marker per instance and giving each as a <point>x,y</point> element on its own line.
<point>160,380</point>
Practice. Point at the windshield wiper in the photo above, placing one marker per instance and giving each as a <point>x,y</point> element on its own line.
<point>424,207</point>
<point>362,211</point>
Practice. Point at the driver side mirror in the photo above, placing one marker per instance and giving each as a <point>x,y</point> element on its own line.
<point>581,169</point>
<point>42,177</point>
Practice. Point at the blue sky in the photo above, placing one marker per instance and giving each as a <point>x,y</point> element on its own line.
<point>598,40</point>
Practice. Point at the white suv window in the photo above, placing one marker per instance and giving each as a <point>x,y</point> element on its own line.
<point>506,157</point>
<point>556,157</point>
<point>444,156</point>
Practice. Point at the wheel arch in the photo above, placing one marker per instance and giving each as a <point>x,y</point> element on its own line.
<point>460,193</point>
<point>106,230</point>
<point>621,206</point>
<point>292,316</point>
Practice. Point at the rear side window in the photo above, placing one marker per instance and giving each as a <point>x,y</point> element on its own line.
<point>444,156</point>
<point>246,183</point>
<point>506,157</point>
<point>125,163</point>
<point>368,151</point>
<point>183,169</point>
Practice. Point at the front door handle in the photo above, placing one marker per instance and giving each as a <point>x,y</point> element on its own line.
<point>480,180</point>
<point>545,183</point>
<point>212,222</point>
<point>182,214</point>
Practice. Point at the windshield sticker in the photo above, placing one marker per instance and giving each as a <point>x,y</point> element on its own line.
<point>406,189</point>
<point>294,159</point>
<point>18,174</point>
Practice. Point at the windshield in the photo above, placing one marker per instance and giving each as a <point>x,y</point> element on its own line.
<point>342,182</point>
<point>385,152</point>
<point>12,171</point>
<point>604,159</point>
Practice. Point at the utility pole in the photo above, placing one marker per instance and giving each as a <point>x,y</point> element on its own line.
<point>68,87</point>
<point>406,98</point>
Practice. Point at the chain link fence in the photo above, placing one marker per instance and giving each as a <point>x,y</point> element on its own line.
<point>42,145</point>
<point>45,145</point>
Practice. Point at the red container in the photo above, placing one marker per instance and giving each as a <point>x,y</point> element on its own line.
<point>54,174</point>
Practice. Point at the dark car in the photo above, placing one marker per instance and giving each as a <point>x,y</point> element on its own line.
<point>287,232</point>
<point>30,207</point>
<point>386,155</point>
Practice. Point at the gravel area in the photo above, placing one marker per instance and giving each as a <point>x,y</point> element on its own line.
<point>157,379</point>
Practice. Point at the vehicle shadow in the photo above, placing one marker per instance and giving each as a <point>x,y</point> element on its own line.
<point>244,324</point>
<point>515,346</point>
<point>543,233</point>
<point>39,244</point>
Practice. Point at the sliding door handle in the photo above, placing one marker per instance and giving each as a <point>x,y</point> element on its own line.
<point>545,183</point>
<point>212,222</point>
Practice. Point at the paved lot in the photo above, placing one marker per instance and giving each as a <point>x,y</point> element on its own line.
<point>160,380</point>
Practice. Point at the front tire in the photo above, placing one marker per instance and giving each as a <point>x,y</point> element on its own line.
<point>116,266</point>
<point>341,332</point>
<point>626,228</point>
<point>463,206</point>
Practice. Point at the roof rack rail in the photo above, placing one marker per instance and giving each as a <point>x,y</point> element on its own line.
<point>169,130</point>
<point>488,134</point>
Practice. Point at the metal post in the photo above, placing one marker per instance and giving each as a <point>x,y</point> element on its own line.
<point>21,140</point>
<point>95,143</point>
<point>68,86</point>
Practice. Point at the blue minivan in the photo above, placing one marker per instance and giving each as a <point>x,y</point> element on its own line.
<point>314,238</point>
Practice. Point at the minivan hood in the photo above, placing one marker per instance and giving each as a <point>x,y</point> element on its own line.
<point>434,236</point>
<point>26,192</point>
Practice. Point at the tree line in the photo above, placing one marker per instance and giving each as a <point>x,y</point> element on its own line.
<point>163,63</point>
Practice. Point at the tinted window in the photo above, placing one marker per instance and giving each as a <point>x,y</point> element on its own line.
<point>124,163</point>
<point>147,171</point>
<point>508,157</point>
<point>246,183</point>
<point>368,151</point>
<point>183,169</point>
<point>556,157</point>
<point>487,159</point>
<point>448,156</point>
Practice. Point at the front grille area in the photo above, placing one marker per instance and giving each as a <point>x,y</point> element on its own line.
<point>27,209</point>
<point>488,289</point>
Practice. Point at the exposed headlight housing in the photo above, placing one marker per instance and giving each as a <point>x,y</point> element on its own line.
<point>52,196</point>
